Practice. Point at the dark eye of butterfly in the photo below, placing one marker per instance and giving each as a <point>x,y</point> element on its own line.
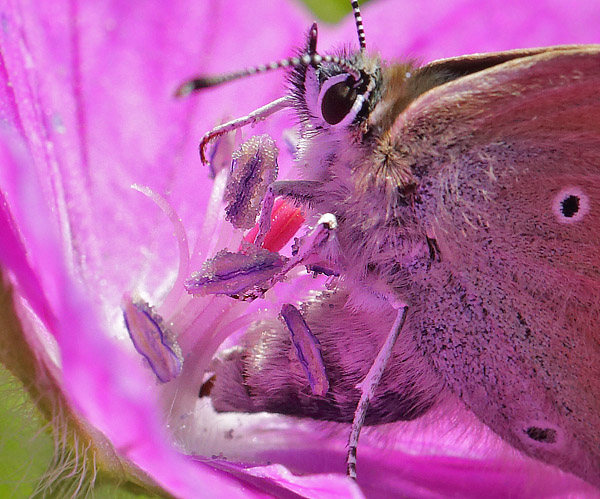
<point>338,100</point>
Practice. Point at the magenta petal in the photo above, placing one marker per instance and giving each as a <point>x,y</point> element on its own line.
<point>98,111</point>
<point>73,180</point>
<point>87,87</point>
<point>434,29</point>
<point>123,407</point>
<point>19,194</point>
<point>494,471</point>
<point>281,483</point>
<point>12,251</point>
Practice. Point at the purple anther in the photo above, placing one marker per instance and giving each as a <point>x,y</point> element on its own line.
<point>308,349</point>
<point>152,340</point>
<point>253,169</point>
<point>246,275</point>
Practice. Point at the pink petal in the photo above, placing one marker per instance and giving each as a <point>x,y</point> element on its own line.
<point>124,407</point>
<point>434,29</point>
<point>279,481</point>
<point>99,114</point>
<point>12,250</point>
<point>85,181</point>
<point>87,85</point>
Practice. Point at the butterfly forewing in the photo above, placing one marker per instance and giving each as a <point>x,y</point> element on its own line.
<point>508,168</point>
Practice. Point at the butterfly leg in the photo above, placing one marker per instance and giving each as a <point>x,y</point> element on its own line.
<point>368,387</point>
<point>257,115</point>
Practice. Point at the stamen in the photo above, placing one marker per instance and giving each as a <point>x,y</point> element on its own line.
<point>286,219</point>
<point>317,246</point>
<point>264,221</point>
<point>215,233</point>
<point>308,349</point>
<point>253,169</point>
<point>152,339</point>
<point>180,234</point>
<point>291,138</point>
<point>247,275</point>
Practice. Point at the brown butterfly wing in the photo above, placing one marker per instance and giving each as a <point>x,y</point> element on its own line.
<point>508,162</point>
<point>469,64</point>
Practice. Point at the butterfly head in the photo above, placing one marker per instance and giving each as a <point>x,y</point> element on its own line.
<point>328,91</point>
<point>345,104</point>
<point>335,91</point>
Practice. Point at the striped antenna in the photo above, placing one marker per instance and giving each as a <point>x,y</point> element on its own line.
<point>359,25</point>
<point>308,59</point>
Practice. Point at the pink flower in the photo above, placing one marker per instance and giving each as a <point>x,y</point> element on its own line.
<point>86,112</point>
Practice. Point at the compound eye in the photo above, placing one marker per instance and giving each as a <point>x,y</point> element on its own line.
<point>337,98</point>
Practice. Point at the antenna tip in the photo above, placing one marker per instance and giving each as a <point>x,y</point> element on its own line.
<point>184,89</point>
<point>187,87</point>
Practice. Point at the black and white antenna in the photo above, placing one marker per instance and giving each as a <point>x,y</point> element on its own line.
<point>311,58</point>
<point>360,30</point>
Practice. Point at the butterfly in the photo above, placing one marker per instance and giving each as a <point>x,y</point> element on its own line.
<point>456,210</point>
